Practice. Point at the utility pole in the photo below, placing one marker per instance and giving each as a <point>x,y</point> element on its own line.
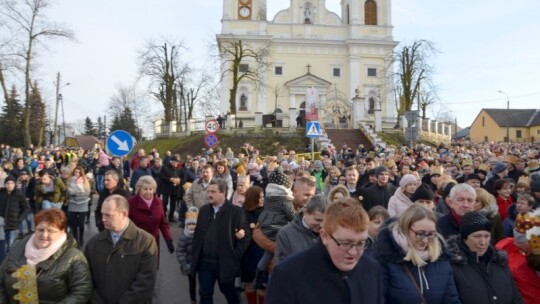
<point>55,126</point>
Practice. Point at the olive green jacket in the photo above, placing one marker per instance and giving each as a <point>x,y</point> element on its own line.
<point>63,278</point>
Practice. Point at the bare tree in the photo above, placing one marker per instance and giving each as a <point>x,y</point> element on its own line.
<point>131,97</point>
<point>237,57</point>
<point>413,71</point>
<point>161,63</point>
<point>425,100</point>
<point>27,21</point>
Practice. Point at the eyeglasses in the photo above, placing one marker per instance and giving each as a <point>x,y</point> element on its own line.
<point>362,245</point>
<point>421,235</point>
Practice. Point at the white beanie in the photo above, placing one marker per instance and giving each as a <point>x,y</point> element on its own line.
<point>407,179</point>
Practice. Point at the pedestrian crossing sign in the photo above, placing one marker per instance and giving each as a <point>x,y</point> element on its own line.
<point>313,129</point>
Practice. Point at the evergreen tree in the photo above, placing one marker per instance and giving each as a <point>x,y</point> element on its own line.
<point>11,120</point>
<point>89,128</point>
<point>126,122</point>
<point>37,113</point>
<point>101,132</point>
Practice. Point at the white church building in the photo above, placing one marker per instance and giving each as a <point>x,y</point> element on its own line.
<point>345,59</point>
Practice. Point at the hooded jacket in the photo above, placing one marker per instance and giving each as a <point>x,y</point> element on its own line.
<point>434,279</point>
<point>398,203</point>
<point>485,279</point>
<point>377,195</point>
<point>294,237</point>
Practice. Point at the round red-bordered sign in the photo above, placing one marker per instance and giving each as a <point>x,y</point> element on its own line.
<point>211,140</point>
<point>211,126</point>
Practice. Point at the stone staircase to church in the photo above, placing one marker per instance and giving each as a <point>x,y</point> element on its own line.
<point>350,137</point>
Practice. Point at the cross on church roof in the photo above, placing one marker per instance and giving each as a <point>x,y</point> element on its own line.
<point>308,67</point>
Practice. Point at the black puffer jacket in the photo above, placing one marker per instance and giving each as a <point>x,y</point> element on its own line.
<point>13,207</point>
<point>485,279</point>
<point>63,278</point>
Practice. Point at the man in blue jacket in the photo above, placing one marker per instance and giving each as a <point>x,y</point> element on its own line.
<point>334,270</point>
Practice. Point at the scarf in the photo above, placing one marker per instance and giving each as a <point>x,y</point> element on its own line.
<point>402,242</point>
<point>36,255</point>
<point>147,202</point>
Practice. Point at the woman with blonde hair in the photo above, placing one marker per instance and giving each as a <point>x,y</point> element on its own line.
<point>337,193</point>
<point>414,267</point>
<point>78,197</point>
<point>486,204</point>
<point>332,179</point>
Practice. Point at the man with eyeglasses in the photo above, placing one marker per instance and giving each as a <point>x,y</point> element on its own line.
<point>336,259</point>
<point>461,200</point>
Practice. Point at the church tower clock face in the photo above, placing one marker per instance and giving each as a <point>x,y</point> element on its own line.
<point>244,9</point>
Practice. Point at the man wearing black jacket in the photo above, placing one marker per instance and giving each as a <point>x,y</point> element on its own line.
<point>110,182</point>
<point>219,242</point>
<point>379,193</point>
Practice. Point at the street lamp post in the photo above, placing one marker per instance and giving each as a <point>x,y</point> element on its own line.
<point>55,138</point>
<point>507,115</point>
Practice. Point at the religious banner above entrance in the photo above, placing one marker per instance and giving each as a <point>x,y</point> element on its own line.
<point>312,104</point>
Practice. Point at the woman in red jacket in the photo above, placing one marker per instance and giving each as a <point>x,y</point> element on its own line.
<point>146,211</point>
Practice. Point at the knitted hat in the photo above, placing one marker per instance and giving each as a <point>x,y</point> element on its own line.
<point>278,177</point>
<point>380,169</point>
<point>500,167</point>
<point>191,215</point>
<point>407,179</point>
<point>423,192</point>
<point>10,178</point>
<point>472,222</point>
<point>535,182</point>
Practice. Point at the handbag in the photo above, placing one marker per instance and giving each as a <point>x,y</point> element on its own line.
<point>408,271</point>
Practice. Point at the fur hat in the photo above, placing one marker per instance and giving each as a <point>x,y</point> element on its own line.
<point>191,215</point>
<point>472,222</point>
<point>278,177</point>
<point>423,192</point>
<point>407,179</point>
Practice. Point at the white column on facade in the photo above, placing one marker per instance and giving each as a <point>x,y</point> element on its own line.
<point>389,108</point>
<point>292,117</point>
<point>450,130</point>
<point>261,97</point>
<point>436,125</point>
<point>227,9</point>
<point>428,124</point>
<point>354,76</point>
<point>258,119</point>
<point>419,123</point>
<point>378,120</point>
<point>231,121</point>
<point>292,101</point>
<point>404,122</point>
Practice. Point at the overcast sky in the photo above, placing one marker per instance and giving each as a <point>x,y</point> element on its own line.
<point>485,46</point>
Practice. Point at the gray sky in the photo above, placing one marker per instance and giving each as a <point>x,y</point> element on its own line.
<point>486,46</point>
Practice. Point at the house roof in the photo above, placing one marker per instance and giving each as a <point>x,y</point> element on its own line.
<point>466,132</point>
<point>515,117</point>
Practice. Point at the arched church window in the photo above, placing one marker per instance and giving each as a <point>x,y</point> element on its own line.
<point>370,11</point>
<point>371,105</point>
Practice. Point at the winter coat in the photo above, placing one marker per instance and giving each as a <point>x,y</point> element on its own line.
<point>184,249</point>
<point>278,210</point>
<point>125,272</point>
<point>398,203</point>
<point>229,219</point>
<point>510,221</point>
<point>527,281</point>
<point>485,279</point>
<point>294,237</point>
<point>377,195</point>
<point>310,277</point>
<point>58,195</point>
<point>150,219</point>
<point>254,252</point>
<point>435,279</point>
<point>166,186</point>
<point>13,207</point>
<point>196,194</point>
<point>62,278</point>
<point>138,173</point>
<point>447,225</point>
<point>78,195</point>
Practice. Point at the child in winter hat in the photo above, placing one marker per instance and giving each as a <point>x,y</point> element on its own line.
<point>184,250</point>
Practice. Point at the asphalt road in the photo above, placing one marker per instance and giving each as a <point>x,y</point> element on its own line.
<point>171,286</point>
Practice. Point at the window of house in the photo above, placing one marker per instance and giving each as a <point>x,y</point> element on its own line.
<point>483,121</point>
<point>518,133</point>
<point>372,72</point>
<point>370,11</point>
<point>244,67</point>
<point>336,72</point>
<point>486,138</point>
<point>538,132</point>
<point>278,70</point>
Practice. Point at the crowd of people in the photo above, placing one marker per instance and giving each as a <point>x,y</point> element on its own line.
<point>421,224</point>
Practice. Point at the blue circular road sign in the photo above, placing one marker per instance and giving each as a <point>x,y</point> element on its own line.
<point>210,140</point>
<point>119,143</point>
